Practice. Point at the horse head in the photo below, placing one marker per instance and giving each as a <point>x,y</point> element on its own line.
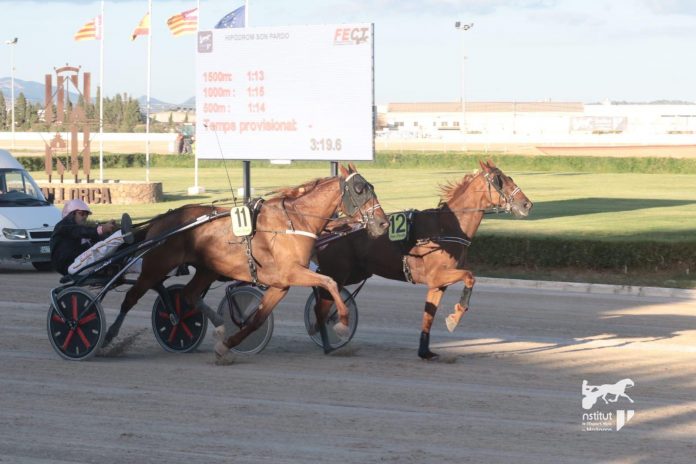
<point>359,201</point>
<point>626,383</point>
<point>510,196</point>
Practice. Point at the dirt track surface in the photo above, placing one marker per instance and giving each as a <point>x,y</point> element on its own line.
<point>507,390</point>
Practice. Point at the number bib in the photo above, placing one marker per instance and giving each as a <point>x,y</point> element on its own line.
<point>241,221</point>
<point>398,229</point>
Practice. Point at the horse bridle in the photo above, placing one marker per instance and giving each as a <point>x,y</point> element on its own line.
<point>491,181</point>
<point>355,193</point>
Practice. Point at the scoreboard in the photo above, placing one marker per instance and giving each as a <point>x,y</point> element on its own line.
<point>286,93</point>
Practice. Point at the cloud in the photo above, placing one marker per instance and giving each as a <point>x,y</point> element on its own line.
<point>679,7</point>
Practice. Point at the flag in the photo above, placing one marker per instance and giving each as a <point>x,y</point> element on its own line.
<point>183,23</point>
<point>143,27</point>
<point>234,19</point>
<point>90,31</point>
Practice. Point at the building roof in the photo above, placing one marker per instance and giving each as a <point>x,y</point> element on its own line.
<point>486,107</point>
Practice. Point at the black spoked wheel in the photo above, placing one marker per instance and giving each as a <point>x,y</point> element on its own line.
<point>334,340</point>
<point>76,331</point>
<point>237,308</point>
<point>181,328</point>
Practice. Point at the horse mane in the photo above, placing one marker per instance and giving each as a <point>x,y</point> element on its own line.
<point>452,189</point>
<point>300,190</point>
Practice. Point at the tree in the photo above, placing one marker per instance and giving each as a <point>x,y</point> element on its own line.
<point>131,115</point>
<point>3,112</point>
<point>20,110</point>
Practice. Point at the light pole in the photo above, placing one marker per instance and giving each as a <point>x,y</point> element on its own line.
<point>12,43</point>
<point>461,27</point>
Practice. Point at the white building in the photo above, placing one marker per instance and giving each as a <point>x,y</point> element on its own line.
<point>541,122</point>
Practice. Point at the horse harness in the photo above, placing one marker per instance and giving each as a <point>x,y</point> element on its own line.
<point>355,192</point>
<point>436,239</point>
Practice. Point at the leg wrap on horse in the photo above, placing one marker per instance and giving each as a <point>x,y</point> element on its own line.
<point>424,346</point>
<point>466,295</point>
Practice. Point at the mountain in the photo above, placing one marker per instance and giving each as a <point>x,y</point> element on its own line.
<point>159,105</point>
<point>34,92</point>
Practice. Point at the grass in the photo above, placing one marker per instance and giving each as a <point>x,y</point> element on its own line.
<point>625,206</point>
<point>611,206</point>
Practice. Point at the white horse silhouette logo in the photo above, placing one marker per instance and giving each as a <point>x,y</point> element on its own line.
<point>590,393</point>
<point>205,42</point>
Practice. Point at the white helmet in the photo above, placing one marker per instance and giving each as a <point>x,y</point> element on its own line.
<point>75,205</point>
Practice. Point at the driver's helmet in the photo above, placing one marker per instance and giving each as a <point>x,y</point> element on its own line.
<point>75,205</point>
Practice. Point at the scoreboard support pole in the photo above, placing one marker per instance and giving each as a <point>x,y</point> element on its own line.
<point>246,168</point>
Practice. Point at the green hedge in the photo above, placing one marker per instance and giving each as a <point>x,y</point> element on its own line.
<point>544,253</point>
<point>451,160</point>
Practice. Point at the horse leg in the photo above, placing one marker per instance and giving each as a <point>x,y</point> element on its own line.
<point>303,277</point>
<point>448,277</point>
<point>154,269</point>
<point>194,289</point>
<point>432,301</point>
<point>269,301</point>
<point>134,294</point>
<point>321,311</point>
<point>322,305</point>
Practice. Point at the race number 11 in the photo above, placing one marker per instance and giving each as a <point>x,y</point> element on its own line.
<point>241,221</point>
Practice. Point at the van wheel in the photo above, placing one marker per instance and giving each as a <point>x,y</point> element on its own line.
<point>42,265</point>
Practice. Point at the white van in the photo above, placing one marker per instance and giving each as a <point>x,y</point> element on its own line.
<point>26,217</point>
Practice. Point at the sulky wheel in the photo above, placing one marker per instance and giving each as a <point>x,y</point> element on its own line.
<point>181,328</point>
<point>237,307</point>
<point>78,329</point>
<point>310,318</point>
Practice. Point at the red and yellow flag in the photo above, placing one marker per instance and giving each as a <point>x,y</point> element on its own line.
<point>185,22</point>
<point>90,31</point>
<point>143,27</point>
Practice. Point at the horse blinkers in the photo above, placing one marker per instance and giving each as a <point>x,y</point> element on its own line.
<point>355,193</point>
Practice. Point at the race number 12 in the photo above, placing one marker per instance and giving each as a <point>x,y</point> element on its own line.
<point>397,227</point>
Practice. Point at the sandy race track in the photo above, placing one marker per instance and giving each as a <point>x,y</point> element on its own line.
<point>508,388</point>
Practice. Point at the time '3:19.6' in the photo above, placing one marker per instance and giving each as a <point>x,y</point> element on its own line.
<point>325,144</point>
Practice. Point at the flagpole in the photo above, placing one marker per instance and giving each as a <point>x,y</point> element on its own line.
<point>147,112</point>
<point>195,44</point>
<point>246,165</point>
<point>101,95</point>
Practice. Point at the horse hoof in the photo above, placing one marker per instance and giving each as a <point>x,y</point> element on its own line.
<point>219,333</point>
<point>220,349</point>
<point>429,356</point>
<point>451,322</point>
<point>341,330</point>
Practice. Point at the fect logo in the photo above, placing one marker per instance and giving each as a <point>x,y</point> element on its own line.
<point>351,35</point>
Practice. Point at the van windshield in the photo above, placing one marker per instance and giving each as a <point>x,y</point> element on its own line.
<point>17,188</point>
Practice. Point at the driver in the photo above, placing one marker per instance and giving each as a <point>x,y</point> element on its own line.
<point>75,244</point>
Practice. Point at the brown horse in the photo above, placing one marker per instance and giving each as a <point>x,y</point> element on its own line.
<point>434,254</point>
<point>276,254</point>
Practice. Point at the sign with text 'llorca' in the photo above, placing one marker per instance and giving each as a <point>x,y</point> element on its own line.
<point>292,93</point>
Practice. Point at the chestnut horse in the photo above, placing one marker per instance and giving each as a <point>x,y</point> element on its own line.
<point>276,254</point>
<point>435,252</point>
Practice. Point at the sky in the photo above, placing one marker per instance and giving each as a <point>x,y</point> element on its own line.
<point>517,50</point>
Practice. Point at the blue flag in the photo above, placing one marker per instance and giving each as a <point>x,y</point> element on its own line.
<point>234,19</point>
